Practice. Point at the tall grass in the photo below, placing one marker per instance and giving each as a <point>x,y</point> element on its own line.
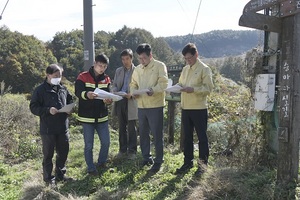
<point>235,170</point>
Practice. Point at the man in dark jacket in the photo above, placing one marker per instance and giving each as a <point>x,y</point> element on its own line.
<point>46,101</point>
<point>92,111</point>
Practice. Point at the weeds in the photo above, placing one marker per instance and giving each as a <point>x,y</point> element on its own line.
<point>234,171</point>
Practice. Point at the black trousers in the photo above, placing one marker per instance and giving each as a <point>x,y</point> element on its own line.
<point>195,119</point>
<point>127,129</point>
<point>60,143</point>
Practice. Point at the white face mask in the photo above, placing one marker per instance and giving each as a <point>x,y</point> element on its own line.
<point>55,81</point>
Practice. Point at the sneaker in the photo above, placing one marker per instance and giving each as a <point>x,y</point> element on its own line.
<point>155,168</point>
<point>184,168</point>
<point>148,162</point>
<point>131,156</point>
<point>93,173</point>
<point>64,179</point>
<point>51,182</point>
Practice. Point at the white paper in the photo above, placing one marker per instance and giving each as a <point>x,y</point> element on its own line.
<point>139,92</point>
<point>170,82</point>
<point>120,93</point>
<point>67,108</point>
<point>106,95</point>
<point>174,88</point>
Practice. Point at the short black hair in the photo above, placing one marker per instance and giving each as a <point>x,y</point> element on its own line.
<point>51,69</point>
<point>144,48</point>
<point>102,58</point>
<point>127,52</point>
<point>189,48</point>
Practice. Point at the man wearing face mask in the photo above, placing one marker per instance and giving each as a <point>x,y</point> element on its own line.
<point>46,100</point>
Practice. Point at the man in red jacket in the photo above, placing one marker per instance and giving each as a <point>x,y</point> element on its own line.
<point>92,112</point>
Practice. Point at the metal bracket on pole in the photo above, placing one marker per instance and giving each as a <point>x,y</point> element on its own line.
<point>288,8</point>
<point>283,134</point>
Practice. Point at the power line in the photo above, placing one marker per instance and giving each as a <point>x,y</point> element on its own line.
<point>196,20</point>
<point>3,9</point>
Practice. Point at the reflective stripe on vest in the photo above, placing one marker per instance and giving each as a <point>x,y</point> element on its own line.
<point>92,120</point>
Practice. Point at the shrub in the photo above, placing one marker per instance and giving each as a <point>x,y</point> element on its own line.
<point>235,128</point>
<point>18,127</point>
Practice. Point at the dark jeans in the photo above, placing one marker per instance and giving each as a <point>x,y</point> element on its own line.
<point>127,129</point>
<point>60,142</point>
<point>151,119</point>
<point>195,119</point>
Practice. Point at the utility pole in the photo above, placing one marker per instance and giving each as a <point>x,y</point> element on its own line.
<point>286,23</point>
<point>88,34</point>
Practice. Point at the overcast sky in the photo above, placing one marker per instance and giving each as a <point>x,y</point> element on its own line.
<point>44,18</point>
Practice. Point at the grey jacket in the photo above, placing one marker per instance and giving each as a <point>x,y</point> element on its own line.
<point>117,86</point>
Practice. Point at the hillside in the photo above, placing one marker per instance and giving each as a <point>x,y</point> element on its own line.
<point>235,169</point>
<point>219,43</point>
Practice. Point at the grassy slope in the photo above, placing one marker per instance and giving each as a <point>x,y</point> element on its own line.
<point>125,179</point>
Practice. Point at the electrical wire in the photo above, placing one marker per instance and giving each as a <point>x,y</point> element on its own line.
<point>3,9</point>
<point>196,20</point>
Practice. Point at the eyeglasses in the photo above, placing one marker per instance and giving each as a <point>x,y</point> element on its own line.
<point>189,58</point>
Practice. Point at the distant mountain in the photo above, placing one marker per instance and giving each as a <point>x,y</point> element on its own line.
<point>219,43</point>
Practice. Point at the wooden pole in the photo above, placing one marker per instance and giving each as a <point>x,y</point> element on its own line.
<point>287,24</point>
<point>288,132</point>
<point>171,121</point>
<point>88,34</point>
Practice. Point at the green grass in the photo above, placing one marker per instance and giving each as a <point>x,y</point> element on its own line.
<point>124,179</point>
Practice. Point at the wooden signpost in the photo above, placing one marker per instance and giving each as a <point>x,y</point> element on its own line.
<point>285,20</point>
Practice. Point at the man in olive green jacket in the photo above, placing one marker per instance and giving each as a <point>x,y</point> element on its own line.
<point>196,82</point>
<point>149,80</point>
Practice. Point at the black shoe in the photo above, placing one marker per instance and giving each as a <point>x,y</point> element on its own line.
<point>93,173</point>
<point>184,168</point>
<point>102,166</point>
<point>148,162</point>
<point>155,168</point>
<point>202,167</point>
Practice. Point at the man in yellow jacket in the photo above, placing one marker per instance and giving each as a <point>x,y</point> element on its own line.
<point>196,82</point>
<point>149,80</point>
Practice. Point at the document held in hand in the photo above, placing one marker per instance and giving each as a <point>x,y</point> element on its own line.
<point>67,108</point>
<point>175,88</point>
<point>140,92</point>
<point>107,95</point>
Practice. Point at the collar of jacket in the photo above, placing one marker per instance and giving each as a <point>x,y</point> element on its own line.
<point>150,64</point>
<point>96,78</point>
<point>49,87</point>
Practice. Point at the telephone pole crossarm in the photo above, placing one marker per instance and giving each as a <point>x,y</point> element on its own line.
<point>250,18</point>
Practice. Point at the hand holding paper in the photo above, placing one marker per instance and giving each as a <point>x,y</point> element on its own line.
<point>120,93</point>
<point>140,92</point>
<point>106,95</point>
<point>175,88</point>
<point>67,108</point>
